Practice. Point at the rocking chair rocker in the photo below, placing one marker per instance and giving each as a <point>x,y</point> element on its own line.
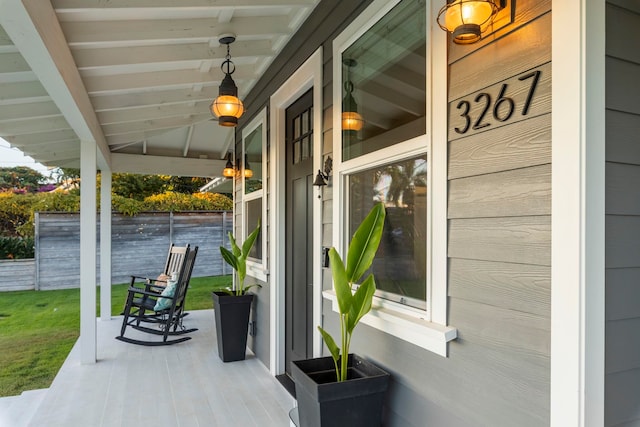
<point>165,310</point>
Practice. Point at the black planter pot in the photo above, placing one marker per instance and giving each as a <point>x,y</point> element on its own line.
<point>322,401</point>
<point>232,324</point>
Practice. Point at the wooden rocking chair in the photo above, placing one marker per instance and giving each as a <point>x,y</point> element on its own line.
<point>165,310</point>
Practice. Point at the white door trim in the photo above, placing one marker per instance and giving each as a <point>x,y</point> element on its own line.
<point>307,76</point>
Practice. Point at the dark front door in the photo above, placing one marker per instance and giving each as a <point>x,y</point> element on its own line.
<point>299,235</point>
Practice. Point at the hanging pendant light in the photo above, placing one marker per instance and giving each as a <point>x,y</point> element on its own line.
<point>351,119</point>
<point>227,107</point>
<point>248,173</point>
<point>466,20</point>
<point>229,171</point>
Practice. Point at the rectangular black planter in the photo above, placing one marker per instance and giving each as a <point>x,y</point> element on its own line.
<point>232,324</point>
<point>322,401</point>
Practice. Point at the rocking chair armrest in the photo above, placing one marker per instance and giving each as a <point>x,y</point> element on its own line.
<point>141,277</point>
<point>147,293</point>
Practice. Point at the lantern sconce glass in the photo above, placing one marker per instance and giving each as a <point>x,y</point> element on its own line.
<point>227,107</point>
<point>323,176</point>
<point>248,173</point>
<point>351,119</point>
<point>229,170</point>
<point>467,20</point>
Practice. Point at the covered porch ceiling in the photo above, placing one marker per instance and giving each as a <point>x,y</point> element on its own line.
<point>136,77</point>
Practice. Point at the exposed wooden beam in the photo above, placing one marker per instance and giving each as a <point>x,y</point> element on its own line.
<point>36,148</point>
<point>42,137</point>
<point>13,63</point>
<point>123,128</point>
<point>152,113</point>
<point>28,111</point>
<point>16,93</point>
<point>130,55</point>
<point>135,137</point>
<point>35,30</point>
<point>53,147</point>
<point>25,127</point>
<point>18,76</point>
<point>180,166</point>
<point>90,32</point>
<point>154,98</point>
<point>162,79</point>
<point>54,157</point>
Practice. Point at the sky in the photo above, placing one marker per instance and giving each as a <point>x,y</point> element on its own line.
<point>11,157</point>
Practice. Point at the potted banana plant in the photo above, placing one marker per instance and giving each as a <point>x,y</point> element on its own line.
<point>345,389</point>
<point>232,306</point>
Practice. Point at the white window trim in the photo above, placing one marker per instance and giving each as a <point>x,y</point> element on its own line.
<point>427,329</point>
<point>256,269</point>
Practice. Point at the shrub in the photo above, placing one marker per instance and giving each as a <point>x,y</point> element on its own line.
<point>126,206</point>
<point>15,212</point>
<point>177,202</point>
<point>16,247</point>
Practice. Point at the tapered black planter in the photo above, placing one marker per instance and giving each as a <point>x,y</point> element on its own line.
<point>323,402</point>
<point>232,324</point>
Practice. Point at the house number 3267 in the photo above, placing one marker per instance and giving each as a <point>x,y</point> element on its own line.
<point>501,109</point>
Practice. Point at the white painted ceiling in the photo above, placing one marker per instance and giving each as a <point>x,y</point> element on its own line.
<point>135,76</point>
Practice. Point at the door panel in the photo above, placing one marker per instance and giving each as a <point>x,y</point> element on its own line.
<point>299,233</point>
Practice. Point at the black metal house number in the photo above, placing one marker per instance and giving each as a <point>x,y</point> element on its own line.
<point>503,106</point>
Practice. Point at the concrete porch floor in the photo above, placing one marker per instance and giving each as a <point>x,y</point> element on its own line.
<point>181,385</point>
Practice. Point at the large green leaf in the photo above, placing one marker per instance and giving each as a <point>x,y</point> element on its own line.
<point>234,246</point>
<point>340,282</point>
<point>246,246</point>
<point>364,243</point>
<point>331,344</point>
<point>361,302</point>
<point>228,256</point>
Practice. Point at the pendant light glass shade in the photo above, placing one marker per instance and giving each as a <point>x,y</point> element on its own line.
<point>466,20</point>
<point>227,107</point>
<point>248,173</point>
<point>352,120</point>
<point>229,171</point>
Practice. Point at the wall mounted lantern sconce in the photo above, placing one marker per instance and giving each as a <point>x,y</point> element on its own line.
<point>248,173</point>
<point>351,119</point>
<point>229,170</point>
<point>466,20</point>
<point>227,107</point>
<point>323,176</point>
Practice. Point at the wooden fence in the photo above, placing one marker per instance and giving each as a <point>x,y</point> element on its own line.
<point>139,246</point>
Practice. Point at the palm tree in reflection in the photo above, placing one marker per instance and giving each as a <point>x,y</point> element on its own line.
<point>403,179</point>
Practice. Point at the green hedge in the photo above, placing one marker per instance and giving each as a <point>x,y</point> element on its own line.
<point>17,211</point>
<point>16,247</point>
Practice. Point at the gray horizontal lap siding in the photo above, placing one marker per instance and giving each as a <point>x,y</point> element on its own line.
<point>622,226</point>
<point>139,245</point>
<point>498,370</point>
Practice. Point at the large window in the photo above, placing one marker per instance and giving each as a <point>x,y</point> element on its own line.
<point>384,82</point>
<point>389,133</point>
<point>254,209</point>
<point>400,267</point>
<point>383,74</point>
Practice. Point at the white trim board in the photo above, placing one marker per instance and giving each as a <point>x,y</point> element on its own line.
<point>308,76</point>
<point>578,244</point>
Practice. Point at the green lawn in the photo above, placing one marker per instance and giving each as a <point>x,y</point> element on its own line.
<point>38,329</point>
